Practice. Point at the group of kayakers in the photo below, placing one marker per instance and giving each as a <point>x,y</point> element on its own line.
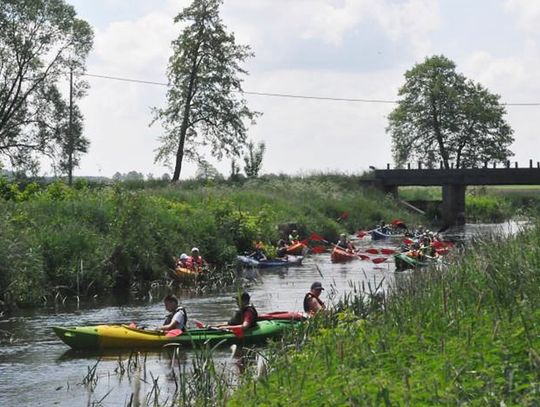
<point>259,252</point>
<point>193,262</point>
<point>245,316</point>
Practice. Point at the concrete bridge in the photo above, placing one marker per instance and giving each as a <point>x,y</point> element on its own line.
<point>454,183</point>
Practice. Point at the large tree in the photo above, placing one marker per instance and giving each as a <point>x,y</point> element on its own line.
<point>205,107</point>
<point>40,42</point>
<point>443,117</point>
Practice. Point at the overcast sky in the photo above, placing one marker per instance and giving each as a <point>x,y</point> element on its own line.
<point>356,49</point>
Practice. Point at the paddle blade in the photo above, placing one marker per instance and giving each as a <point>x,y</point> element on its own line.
<point>305,242</point>
<point>408,241</point>
<point>318,250</point>
<point>361,233</point>
<point>379,260</point>
<point>363,257</point>
<point>174,332</point>
<point>372,251</point>
<point>388,251</point>
<point>238,331</point>
<point>315,237</point>
<point>198,323</point>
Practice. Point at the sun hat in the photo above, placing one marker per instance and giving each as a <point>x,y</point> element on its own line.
<point>194,250</point>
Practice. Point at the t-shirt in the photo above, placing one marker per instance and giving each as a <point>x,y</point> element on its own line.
<point>180,318</point>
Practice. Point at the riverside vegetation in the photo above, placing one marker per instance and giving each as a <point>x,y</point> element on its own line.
<point>469,334</point>
<point>80,241</point>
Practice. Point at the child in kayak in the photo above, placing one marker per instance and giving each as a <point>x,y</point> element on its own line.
<point>177,317</point>
<point>246,315</point>
<point>345,244</point>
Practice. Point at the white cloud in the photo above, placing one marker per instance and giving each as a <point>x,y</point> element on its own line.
<point>528,13</point>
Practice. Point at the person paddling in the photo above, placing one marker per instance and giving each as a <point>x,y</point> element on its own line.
<point>312,302</point>
<point>345,244</point>
<point>246,314</point>
<point>177,317</point>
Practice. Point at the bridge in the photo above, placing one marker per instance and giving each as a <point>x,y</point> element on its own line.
<point>454,183</point>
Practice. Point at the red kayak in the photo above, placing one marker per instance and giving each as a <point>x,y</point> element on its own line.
<point>282,315</point>
<point>340,255</point>
<point>297,248</point>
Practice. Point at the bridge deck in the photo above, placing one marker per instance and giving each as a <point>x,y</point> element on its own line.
<point>477,176</point>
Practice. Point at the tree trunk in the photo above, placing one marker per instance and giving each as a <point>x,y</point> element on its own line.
<point>180,152</point>
<point>185,117</point>
<point>438,135</point>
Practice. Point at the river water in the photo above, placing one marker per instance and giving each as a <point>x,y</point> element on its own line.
<point>37,369</point>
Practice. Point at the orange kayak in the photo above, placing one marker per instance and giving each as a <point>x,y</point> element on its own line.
<point>340,256</point>
<point>297,248</point>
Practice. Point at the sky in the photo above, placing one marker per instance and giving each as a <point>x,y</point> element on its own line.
<point>357,49</point>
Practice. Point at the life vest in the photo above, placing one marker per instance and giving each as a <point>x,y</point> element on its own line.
<point>306,302</point>
<point>169,317</point>
<point>238,317</point>
<point>194,263</point>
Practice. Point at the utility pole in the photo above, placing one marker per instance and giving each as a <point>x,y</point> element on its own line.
<point>70,136</point>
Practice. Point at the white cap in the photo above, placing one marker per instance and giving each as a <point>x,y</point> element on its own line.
<point>183,256</point>
<point>194,250</point>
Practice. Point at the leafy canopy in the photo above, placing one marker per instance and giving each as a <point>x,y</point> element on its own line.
<point>40,41</point>
<point>205,110</point>
<point>443,117</point>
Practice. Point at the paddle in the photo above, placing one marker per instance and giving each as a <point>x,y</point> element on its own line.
<point>363,256</point>
<point>318,250</point>
<point>379,260</point>
<point>387,251</point>
<point>174,332</point>
<point>372,251</point>
<point>237,330</point>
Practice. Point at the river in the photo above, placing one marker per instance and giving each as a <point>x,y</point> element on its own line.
<point>37,369</point>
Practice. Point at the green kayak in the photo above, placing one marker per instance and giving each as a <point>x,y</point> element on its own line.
<point>404,262</point>
<point>122,336</point>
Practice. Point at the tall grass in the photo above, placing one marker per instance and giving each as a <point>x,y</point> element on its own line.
<point>468,335</point>
<point>64,241</point>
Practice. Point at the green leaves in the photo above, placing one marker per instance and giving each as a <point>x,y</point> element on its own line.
<point>443,117</point>
<point>204,103</point>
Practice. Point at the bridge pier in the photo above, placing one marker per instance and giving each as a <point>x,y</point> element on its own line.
<point>453,205</point>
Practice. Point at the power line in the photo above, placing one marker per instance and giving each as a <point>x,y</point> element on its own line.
<point>287,95</point>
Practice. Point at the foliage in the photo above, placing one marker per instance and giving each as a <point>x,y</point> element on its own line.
<point>130,233</point>
<point>467,335</point>
<point>444,117</point>
<point>203,107</point>
<point>253,159</point>
<point>40,40</point>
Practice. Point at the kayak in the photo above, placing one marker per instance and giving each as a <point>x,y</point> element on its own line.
<point>404,262</point>
<point>339,255</point>
<point>285,262</point>
<point>297,248</point>
<point>122,336</point>
<point>378,234</point>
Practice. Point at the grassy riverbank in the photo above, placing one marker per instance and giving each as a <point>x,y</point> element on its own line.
<point>468,335</point>
<point>61,240</point>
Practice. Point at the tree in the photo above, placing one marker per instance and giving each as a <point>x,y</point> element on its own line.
<point>68,125</point>
<point>40,42</point>
<point>443,117</point>
<point>253,159</point>
<point>204,106</point>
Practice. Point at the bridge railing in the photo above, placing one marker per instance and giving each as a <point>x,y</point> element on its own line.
<point>506,164</point>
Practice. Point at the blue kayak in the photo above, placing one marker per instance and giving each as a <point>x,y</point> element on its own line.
<point>285,262</point>
<point>378,234</point>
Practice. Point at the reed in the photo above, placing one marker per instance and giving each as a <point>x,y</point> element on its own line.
<point>468,334</point>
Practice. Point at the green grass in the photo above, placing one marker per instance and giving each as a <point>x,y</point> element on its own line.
<point>466,336</point>
<point>125,235</point>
